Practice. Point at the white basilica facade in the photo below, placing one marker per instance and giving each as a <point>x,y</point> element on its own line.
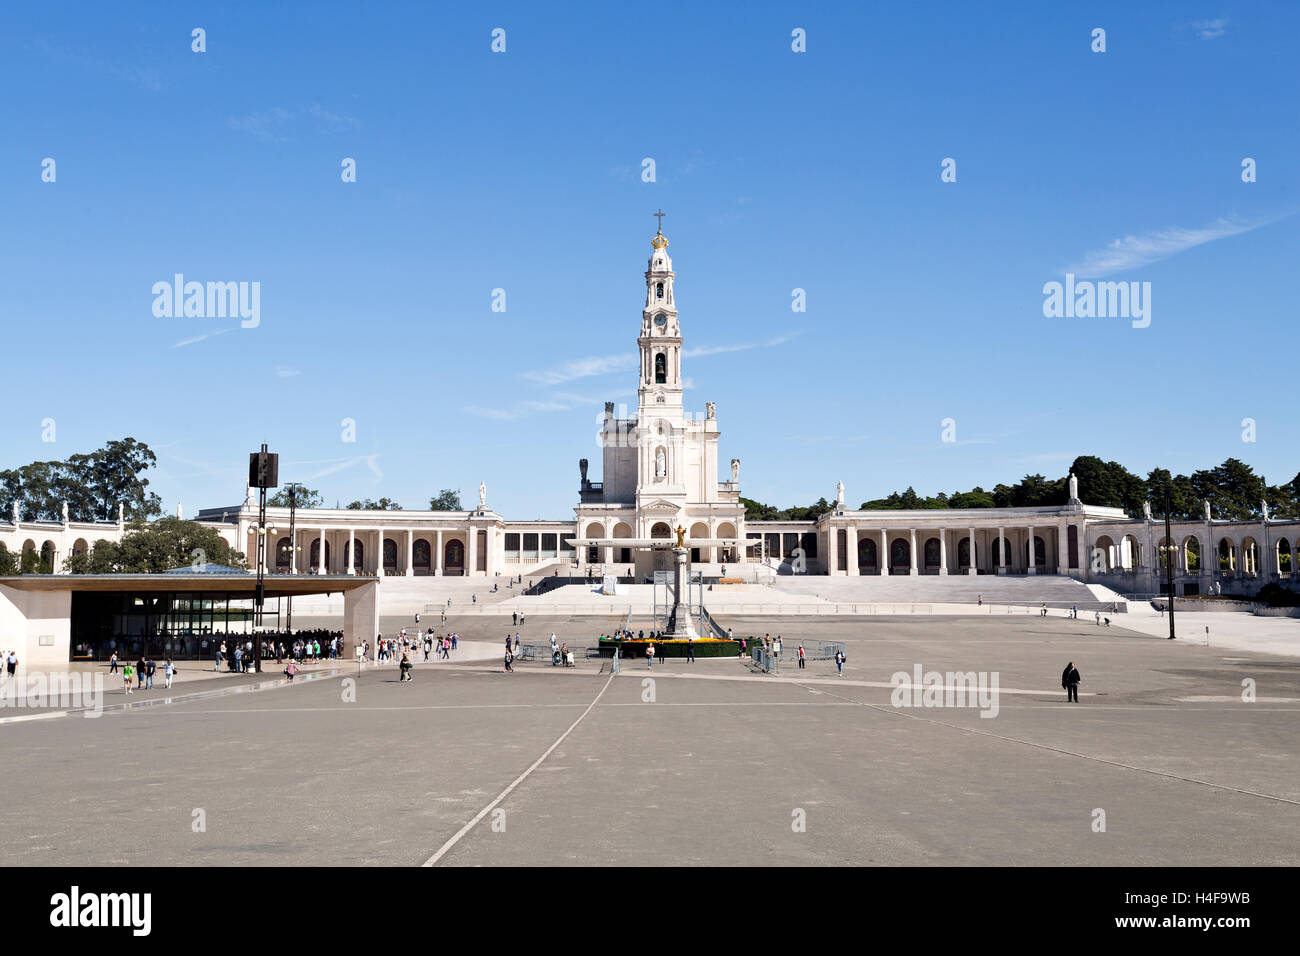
<point>660,481</point>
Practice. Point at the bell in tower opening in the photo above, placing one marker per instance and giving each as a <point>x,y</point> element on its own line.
<point>661,369</point>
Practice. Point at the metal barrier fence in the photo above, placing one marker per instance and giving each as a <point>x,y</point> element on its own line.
<point>822,650</point>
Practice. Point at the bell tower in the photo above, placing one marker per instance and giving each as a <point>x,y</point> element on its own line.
<point>660,388</point>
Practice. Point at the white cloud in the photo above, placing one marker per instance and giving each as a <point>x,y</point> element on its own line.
<point>1211,29</point>
<point>559,402</point>
<point>285,372</point>
<point>333,465</point>
<point>199,338</point>
<point>705,350</point>
<point>265,125</point>
<point>334,122</point>
<point>581,368</point>
<point>1130,252</point>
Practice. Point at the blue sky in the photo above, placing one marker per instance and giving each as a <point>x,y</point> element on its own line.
<point>522,171</point>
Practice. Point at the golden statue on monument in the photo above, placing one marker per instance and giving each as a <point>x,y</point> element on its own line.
<point>681,536</point>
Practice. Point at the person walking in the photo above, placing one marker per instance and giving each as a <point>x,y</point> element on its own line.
<point>128,672</point>
<point>290,669</point>
<point>801,658</point>
<point>839,660</point>
<point>406,667</point>
<point>169,671</point>
<point>690,650</point>
<point>1070,681</point>
<point>112,663</point>
<point>11,664</point>
<point>509,657</point>
<point>650,655</point>
<point>149,667</point>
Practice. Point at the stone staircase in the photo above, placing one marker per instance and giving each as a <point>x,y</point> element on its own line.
<point>1056,591</point>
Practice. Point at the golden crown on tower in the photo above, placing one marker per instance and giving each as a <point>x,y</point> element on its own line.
<point>660,241</point>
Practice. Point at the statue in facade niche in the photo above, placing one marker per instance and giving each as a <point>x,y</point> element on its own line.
<point>661,464</point>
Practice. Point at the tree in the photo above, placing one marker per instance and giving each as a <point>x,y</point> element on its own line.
<point>1183,500</point>
<point>1030,492</point>
<point>303,498</point>
<point>446,500</point>
<point>977,497</point>
<point>151,548</point>
<point>383,504</point>
<point>8,562</point>
<point>1109,484</point>
<point>31,563</point>
<point>99,560</point>
<point>1233,489</point>
<point>1285,499</point>
<point>92,485</point>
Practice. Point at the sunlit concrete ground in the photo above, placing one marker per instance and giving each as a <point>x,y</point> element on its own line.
<point>715,769</point>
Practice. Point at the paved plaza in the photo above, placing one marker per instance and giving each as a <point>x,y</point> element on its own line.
<point>471,766</point>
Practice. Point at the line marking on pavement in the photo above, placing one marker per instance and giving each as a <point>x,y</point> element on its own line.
<point>446,847</point>
<point>42,716</point>
<point>355,707</point>
<point>893,712</point>
<point>148,703</point>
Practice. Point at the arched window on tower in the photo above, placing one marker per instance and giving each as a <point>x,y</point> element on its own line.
<point>659,290</point>
<point>661,369</point>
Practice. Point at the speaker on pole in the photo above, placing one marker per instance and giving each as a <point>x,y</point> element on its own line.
<point>263,469</point>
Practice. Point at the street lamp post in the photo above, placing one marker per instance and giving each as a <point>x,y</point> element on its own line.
<point>263,473</point>
<point>292,487</point>
<point>1171,551</point>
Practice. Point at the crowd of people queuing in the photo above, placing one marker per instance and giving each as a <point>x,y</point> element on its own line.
<point>302,647</point>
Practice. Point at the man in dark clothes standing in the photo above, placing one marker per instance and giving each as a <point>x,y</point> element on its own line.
<point>1070,681</point>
